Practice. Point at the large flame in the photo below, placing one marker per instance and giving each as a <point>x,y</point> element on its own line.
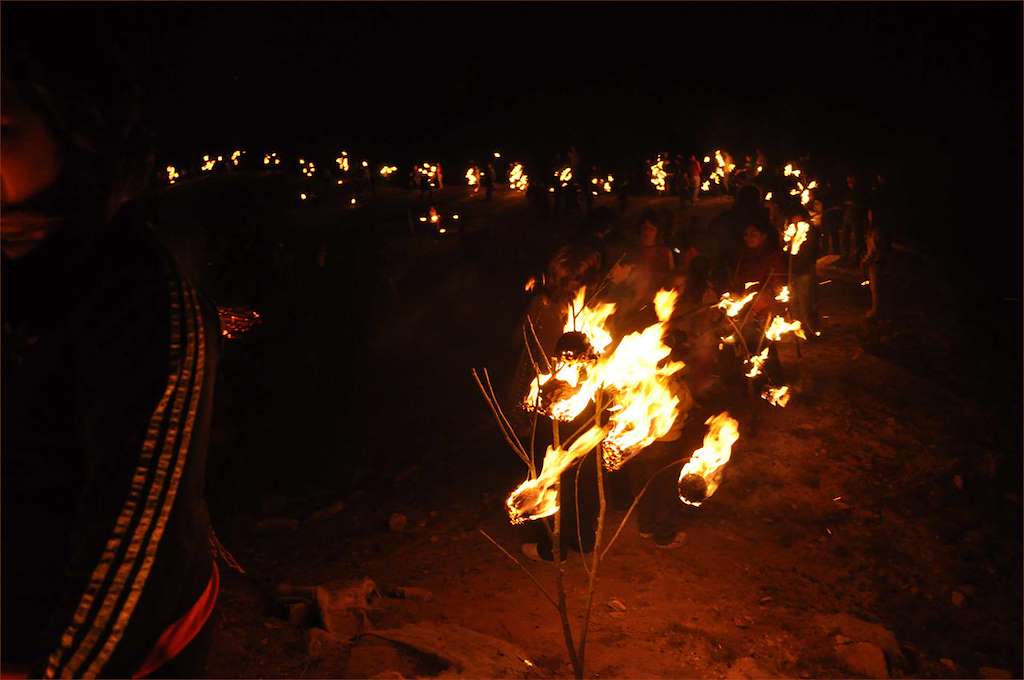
<point>700,477</point>
<point>517,177</point>
<point>590,321</point>
<point>756,362</point>
<point>658,175</point>
<point>779,327</point>
<point>643,405</point>
<point>795,235</point>
<point>733,306</point>
<point>633,378</point>
<point>777,396</point>
<point>538,497</point>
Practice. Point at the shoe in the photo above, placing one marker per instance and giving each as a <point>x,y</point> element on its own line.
<point>673,542</point>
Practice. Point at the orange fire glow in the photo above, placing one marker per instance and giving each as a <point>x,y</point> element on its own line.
<point>700,477</point>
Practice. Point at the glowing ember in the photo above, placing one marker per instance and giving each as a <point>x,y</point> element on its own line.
<point>236,157</point>
<point>865,283</point>
<point>172,174</point>
<point>779,327</point>
<point>783,295</point>
<point>756,363</point>
<point>777,396</point>
<point>387,170</point>
<point>768,196</point>
<point>700,477</point>
<point>308,167</point>
<point>271,159</point>
<point>342,161</point>
<point>795,235</point>
<point>517,178</point>
<point>237,321</point>
<point>531,283</point>
<point>733,306</point>
<point>537,498</point>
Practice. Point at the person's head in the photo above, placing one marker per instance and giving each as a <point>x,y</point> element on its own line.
<point>755,235</point>
<point>70,150</point>
<point>648,232</point>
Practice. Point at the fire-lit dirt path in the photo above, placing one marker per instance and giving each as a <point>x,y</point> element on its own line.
<point>875,518</point>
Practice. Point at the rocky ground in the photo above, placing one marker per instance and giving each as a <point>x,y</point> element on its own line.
<point>872,528</point>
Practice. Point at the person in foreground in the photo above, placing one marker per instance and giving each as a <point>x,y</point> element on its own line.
<point>109,364</point>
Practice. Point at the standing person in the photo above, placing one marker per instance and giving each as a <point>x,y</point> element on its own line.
<point>803,274</point>
<point>878,250</point>
<point>487,179</point>
<point>694,172</point>
<point>855,217</point>
<point>110,357</point>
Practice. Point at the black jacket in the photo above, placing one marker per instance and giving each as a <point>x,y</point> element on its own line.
<point>109,365</point>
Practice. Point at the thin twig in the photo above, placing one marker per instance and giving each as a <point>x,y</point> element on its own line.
<point>563,609</point>
<point>598,533</point>
<point>512,441</point>
<point>497,405</point>
<point>579,531</point>
<point>525,570</point>
<point>540,345</point>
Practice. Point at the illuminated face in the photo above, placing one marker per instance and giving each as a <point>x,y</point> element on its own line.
<point>29,164</point>
<point>754,237</point>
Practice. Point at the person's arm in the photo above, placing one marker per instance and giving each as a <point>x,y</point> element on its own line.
<point>140,356</point>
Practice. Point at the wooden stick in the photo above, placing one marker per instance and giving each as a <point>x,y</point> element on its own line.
<point>516,446</point>
<point>543,354</point>
<point>596,560</point>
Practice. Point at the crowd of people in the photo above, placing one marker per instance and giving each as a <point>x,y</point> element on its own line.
<point>740,249</point>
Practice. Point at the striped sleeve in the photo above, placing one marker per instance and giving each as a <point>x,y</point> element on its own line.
<point>139,411</point>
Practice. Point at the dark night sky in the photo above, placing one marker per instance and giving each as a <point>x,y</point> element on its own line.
<point>616,78</point>
<point>932,88</point>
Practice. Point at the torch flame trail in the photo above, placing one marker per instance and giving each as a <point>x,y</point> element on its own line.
<point>779,327</point>
<point>777,396</point>
<point>703,472</point>
<point>733,306</point>
<point>537,498</point>
<point>795,235</point>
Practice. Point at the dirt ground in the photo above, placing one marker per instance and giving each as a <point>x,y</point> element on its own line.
<point>871,527</point>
